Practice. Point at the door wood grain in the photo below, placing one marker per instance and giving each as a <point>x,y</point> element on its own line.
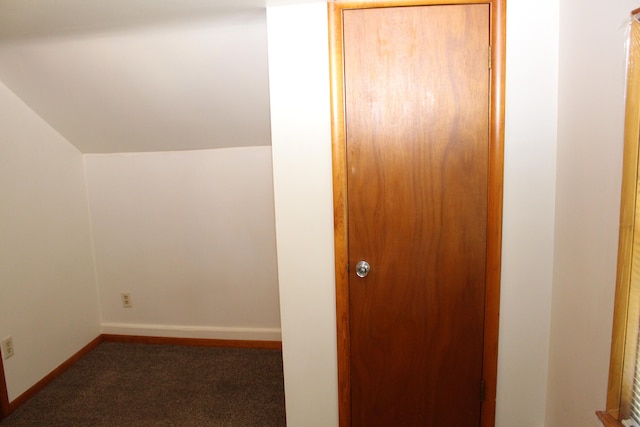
<point>416,91</point>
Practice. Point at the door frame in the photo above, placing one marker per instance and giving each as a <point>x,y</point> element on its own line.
<point>4,395</point>
<point>494,197</point>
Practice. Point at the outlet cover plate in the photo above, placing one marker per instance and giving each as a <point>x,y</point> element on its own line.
<point>126,300</point>
<point>7,348</point>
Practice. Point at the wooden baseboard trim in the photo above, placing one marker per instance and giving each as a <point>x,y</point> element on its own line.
<point>200,342</point>
<point>20,400</point>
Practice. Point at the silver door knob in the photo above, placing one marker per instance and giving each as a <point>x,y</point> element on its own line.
<point>362,268</point>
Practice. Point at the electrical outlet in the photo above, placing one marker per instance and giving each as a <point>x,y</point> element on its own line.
<point>7,347</point>
<point>126,300</point>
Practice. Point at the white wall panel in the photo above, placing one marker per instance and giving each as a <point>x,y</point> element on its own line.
<point>191,236</point>
<point>529,203</point>
<point>301,141</point>
<point>48,298</point>
<point>590,141</point>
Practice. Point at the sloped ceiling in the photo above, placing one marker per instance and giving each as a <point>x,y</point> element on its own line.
<point>141,75</point>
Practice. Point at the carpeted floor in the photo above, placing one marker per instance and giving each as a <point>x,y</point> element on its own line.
<point>122,384</point>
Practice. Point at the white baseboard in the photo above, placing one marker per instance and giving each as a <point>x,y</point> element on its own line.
<point>208,332</point>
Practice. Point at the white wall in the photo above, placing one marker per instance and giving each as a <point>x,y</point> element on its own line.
<point>301,141</point>
<point>590,140</point>
<point>191,236</point>
<point>48,299</point>
<point>302,176</point>
<point>528,222</point>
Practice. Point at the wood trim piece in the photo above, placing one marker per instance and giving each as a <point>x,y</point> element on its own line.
<point>4,395</point>
<point>494,217</point>
<point>369,4</point>
<point>615,388</point>
<point>494,230</point>
<point>608,420</point>
<point>20,400</point>
<point>200,342</point>
<point>339,158</point>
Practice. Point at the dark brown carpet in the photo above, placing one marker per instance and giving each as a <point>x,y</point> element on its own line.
<point>122,384</point>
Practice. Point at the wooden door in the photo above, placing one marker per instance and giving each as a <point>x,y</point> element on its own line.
<point>416,91</point>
